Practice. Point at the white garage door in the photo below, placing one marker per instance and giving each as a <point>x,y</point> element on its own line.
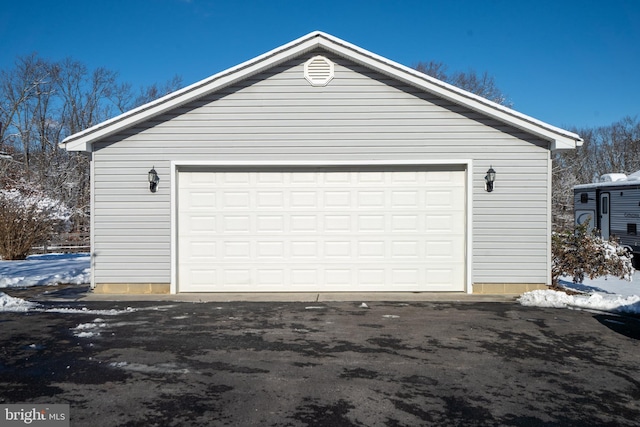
<point>321,229</point>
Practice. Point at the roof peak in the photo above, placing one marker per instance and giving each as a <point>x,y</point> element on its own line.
<point>559,138</point>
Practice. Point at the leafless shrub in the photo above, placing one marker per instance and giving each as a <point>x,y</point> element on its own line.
<point>27,218</point>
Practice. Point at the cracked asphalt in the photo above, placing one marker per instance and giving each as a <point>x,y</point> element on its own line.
<point>323,364</point>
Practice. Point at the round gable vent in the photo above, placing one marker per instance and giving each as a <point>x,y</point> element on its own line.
<point>318,71</point>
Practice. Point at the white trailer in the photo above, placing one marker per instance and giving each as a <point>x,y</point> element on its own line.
<point>611,206</point>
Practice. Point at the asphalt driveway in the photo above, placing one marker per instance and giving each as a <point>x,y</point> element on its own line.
<point>323,364</point>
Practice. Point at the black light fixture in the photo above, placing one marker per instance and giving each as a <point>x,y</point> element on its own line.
<point>489,178</point>
<point>153,180</point>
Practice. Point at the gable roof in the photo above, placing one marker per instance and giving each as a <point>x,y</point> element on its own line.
<point>559,139</point>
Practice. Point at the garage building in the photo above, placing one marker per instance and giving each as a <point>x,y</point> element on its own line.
<point>321,167</point>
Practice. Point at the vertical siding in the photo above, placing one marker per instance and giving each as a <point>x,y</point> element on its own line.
<point>360,115</point>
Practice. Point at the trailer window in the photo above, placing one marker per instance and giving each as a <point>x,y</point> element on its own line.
<point>632,229</point>
<point>605,205</point>
<point>584,198</point>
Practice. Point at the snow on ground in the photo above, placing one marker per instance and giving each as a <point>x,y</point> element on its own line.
<point>605,293</point>
<point>8,303</point>
<point>42,270</point>
<point>46,270</point>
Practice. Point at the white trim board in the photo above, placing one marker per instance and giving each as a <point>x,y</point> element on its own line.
<point>467,163</point>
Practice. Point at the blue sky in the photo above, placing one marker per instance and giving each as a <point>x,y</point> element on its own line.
<point>571,63</point>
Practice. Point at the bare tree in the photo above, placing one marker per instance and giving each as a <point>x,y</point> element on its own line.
<point>24,95</point>
<point>83,95</point>
<point>434,69</point>
<point>606,149</point>
<point>125,99</point>
<point>483,84</point>
<point>42,102</point>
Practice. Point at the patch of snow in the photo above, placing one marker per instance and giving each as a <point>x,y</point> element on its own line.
<point>111,312</point>
<point>46,270</point>
<point>87,334</point>
<point>390,316</point>
<point>90,326</point>
<point>162,368</point>
<point>558,299</point>
<point>603,294</point>
<point>9,303</point>
<point>12,304</point>
<point>135,323</point>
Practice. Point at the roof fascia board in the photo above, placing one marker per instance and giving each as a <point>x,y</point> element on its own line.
<point>82,141</point>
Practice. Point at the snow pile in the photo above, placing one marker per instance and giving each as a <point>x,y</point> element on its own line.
<point>42,270</point>
<point>12,304</point>
<point>8,303</point>
<point>557,299</point>
<point>603,294</point>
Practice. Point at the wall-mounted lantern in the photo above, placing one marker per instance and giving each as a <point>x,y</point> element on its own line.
<point>153,180</point>
<point>489,178</point>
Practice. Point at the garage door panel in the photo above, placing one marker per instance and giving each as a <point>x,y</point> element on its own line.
<point>335,178</point>
<point>403,199</point>
<point>201,200</point>
<point>303,199</point>
<point>235,178</point>
<point>301,223</point>
<point>303,278</point>
<point>337,223</point>
<point>406,250</point>
<point>270,224</point>
<point>371,199</point>
<point>269,277</point>
<point>199,250</point>
<point>269,178</point>
<point>232,200</point>
<point>236,224</point>
<point>370,178</point>
<point>403,223</point>
<point>368,223</point>
<point>372,278</point>
<point>200,223</point>
<point>233,277</point>
<point>304,249</point>
<point>345,230</point>
<point>372,249</point>
<point>270,250</point>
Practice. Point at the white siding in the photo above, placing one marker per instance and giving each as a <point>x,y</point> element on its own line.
<point>360,115</point>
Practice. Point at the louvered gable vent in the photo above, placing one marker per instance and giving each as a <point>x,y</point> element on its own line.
<point>318,71</point>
